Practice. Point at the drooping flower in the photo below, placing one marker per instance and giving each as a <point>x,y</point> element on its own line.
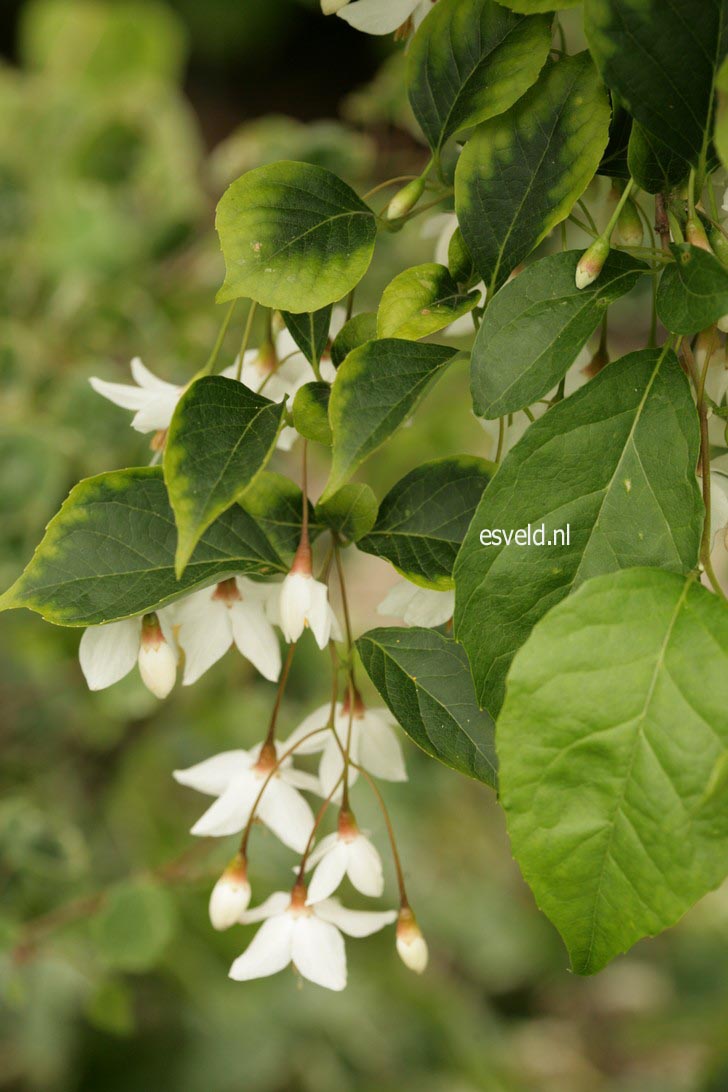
<point>418,606</point>
<point>374,744</point>
<point>108,652</point>
<point>411,945</point>
<point>230,897</point>
<point>153,399</point>
<point>233,611</point>
<point>348,852</point>
<point>304,603</point>
<point>236,779</point>
<point>379,16</point>
<point>309,936</point>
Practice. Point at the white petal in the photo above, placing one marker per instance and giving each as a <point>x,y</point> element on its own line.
<point>146,379</point>
<point>318,719</point>
<point>718,503</point>
<point>287,814</point>
<point>378,16</point>
<point>268,952</point>
<point>318,953</point>
<point>275,904</point>
<point>108,653</point>
<point>121,394</point>
<point>255,638</point>
<point>231,811</point>
<point>205,633</point>
<point>157,412</point>
<point>294,604</point>
<point>379,748</point>
<point>321,850</point>
<point>423,9</point>
<point>355,923</point>
<point>331,767</point>
<point>229,899</point>
<point>215,774</point>
<point>158,667</point>
<point>301,779</point>
<point>329,873</point>
<point>430,608</point>
<point>286,438</point>
<point>364,867</point>
<point>320,614</point>
<point>397,599</point>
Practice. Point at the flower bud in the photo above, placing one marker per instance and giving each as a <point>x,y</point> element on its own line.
<point>411,945</point>
<point>592,262</point>
<point>405,199</point>
<point>695,234</point>
<point>157,660</point>
<point>629,225</point>
<point>231,895</point>
<point>718,244</point>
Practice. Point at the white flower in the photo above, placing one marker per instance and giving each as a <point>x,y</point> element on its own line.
<point>374,744</point>
<point>211,620</point>
<point>236,778</point>
<point>718,530</point>
<point>418,606</point>
<point>346,853</point>
<point>153,399</point>
<point>304,603</point>
<point>107,653</point>
<point>230,896</point>
<point>307,936</point>
<point>379,16</point>
<point>411,945</point>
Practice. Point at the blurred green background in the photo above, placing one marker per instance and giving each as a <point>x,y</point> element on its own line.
<point>120,125</point>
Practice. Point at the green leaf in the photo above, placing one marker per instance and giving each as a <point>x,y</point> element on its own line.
<point>276,504</point>
<point>661,59</point>
<point>720,134</point>
<point>471,60</point>
<point>109,553</point>
<point>425,680</point>
<point>536,326</point>
<point>521,173</point>
<point>294,237</point>
<point>311,412</point>
<point>351,512</point>
<point>357,331</point>
<point>533,7</point>
<point>693,293</point>
<point>423,519</point>
<point>654,167</point>
<point>222,434</point>
<point>376,389</point>
<point>615,462</point>
<point>608,802</point>
<point>310,331</point>
<point>134,926</point>
<point>420,301</point>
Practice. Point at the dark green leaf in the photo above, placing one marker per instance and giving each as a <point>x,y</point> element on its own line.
<point>423,519</point>
<point>537,325</point>
<point>533,7</point>
<point>693,293</point>
<point>109,553</point>
<point>521,173</point>
<point>425,680</point>
<point>420,301</point>
<point>311,412</point>
<point>471,60</point>
<point>654,167</point>
<point>358,330</point>
<point>614,160</point>
<point>310,331</point>
<point>661,60</point>
<point>350,512</point>
<point>615,463</point>
<point>276,505</point>
<point>612,741</point>
<point>376,389</point>
<point>134,926</point>
<point>293,236</point>
<point>222,434</point>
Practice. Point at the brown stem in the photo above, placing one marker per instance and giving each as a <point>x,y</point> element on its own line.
<point>662,226</point>
<point>271,733</point>
<point>316,824</point>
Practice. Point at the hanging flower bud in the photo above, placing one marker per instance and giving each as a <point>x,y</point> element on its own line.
<point>405,199</point>
<point>411,945</point>
<point>629,225</point>
<point>157,661</point>
<point>592,262</point>
<point>231,895</point>
<point>695,234</point>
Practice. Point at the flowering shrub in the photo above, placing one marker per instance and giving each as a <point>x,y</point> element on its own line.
<point>585,682</point>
